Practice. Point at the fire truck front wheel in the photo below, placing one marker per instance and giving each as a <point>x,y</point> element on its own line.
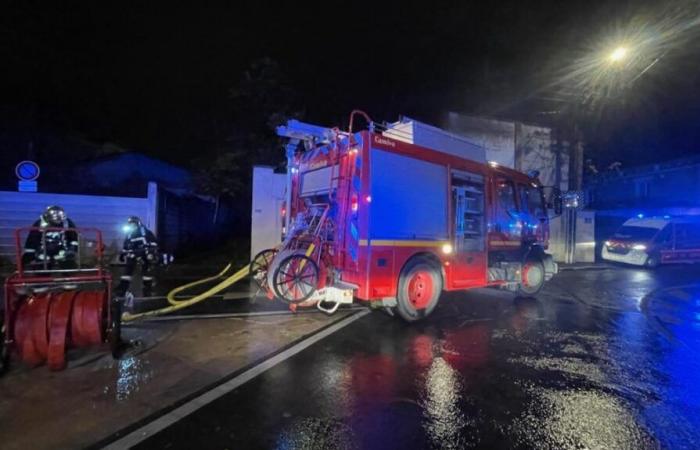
<point>533,277</point>
<point>420,286</point>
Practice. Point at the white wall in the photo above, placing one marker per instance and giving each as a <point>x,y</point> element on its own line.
<point>520,146</point>
<point>268,197</point>
<point>585,238</point>
<point>108,214</point>
<point>534,152</point>
<point>496,136</point>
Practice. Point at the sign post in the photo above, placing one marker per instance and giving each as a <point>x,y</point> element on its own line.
<point>27,172</point>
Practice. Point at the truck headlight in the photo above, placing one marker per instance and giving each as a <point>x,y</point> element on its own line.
<point>639,247</point>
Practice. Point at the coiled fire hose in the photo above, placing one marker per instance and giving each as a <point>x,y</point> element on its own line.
<point>176,305</point>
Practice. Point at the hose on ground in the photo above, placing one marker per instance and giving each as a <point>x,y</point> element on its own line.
<point>176,305</point>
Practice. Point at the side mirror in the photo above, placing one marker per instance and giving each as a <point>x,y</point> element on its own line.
<point>558,206</point>
<point>553,199</point>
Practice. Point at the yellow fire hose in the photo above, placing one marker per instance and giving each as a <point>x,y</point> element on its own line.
<point>179,304</point>
<point>176,305</point>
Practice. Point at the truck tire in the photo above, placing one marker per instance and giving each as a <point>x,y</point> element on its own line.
<point>532,277</point>
<point>420,286</point>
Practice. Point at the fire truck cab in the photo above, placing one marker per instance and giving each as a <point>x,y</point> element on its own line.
<point>406,222</point>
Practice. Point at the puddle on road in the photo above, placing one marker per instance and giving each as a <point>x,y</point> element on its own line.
<point>133,373</point>
<point>517,377</point>
<point>317,434</point>
<point>578,419</point>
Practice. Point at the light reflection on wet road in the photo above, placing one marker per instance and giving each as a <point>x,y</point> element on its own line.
<point>595,362</point>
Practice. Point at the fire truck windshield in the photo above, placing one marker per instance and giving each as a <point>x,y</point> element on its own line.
<point>532,199</point>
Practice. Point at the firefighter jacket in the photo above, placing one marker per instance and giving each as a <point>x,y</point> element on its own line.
<point>47,240</point>
<point>140,242</point>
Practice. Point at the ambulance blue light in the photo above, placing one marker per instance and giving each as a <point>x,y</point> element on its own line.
<point>640,216</point>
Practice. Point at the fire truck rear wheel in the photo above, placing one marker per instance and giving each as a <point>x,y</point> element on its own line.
<point>420,286</point>
<point>532,278</point>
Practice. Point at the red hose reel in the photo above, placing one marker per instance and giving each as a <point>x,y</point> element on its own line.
<point>47,324</point>
<point>50,309</point>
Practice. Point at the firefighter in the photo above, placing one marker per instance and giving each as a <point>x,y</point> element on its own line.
<point>53,239</point>
<point>140,247</point>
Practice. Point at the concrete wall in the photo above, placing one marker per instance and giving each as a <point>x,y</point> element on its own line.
<point>585,250</point>
<point>534,151</point>
<point>268,197</point>
<point>521,146</point>
<point>108,214</point>
<point>496,136</point>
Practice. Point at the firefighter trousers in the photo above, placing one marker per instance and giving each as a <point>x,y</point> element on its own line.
<point>130,269</point>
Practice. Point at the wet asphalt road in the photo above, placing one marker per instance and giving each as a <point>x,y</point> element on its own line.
<point>602,359</point>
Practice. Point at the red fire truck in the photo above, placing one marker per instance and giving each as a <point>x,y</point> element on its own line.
<point>371,217</point>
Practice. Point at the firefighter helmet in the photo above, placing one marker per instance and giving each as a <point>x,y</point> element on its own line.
<point>54,215</point>
<point>134,220</point>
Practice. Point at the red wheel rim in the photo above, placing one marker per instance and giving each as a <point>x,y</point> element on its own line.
<point>420,289</point>
<point>532,275</point>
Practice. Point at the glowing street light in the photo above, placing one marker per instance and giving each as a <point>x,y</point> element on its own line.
<point>618,54</point>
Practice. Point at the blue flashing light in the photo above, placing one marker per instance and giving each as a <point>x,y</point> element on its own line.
<point>640,216</point>
<point>667,216</point>
<point>353,231</point>
<point>127,228</point>
<point>353,254</point>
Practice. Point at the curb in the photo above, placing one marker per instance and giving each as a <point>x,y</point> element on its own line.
<point>563,268</point>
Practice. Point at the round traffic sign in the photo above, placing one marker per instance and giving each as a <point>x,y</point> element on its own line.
<point>27,171</point>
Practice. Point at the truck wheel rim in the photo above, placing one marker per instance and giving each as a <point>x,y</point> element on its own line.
<point>260,266</point>
<point>532,275</point>
<point>297,280</point>
<point>420,289</point>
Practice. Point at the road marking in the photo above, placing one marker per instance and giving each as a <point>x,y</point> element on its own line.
<point>164,421</point>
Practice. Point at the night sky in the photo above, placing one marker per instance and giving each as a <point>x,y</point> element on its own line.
<point>157,77</point>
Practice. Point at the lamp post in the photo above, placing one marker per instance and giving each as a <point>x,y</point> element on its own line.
<point>618,54</point>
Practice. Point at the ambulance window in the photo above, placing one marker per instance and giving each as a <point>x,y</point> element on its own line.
<point>506,195</point>
<point>664,235</point>
<point>687,235</point>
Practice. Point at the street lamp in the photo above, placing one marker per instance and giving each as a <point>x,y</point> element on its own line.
<point>618,54</point>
